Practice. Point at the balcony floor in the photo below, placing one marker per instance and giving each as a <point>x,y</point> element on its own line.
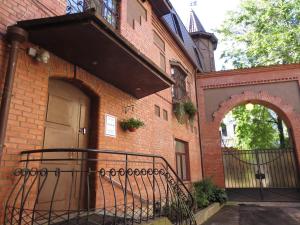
<point>85,39</point>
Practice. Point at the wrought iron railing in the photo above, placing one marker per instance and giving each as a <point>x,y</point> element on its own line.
<point>80,186</point>
<point>106,9</point>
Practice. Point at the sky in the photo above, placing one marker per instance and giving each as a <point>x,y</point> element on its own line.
<point>211,14</point>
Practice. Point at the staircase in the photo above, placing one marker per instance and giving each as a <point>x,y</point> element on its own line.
<point>84,186</point>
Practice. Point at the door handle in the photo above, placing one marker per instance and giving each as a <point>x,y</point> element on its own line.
<point>82,130</point>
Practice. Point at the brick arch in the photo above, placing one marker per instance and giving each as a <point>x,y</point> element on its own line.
<point>277,104</point>
<point>211,140</point>
<point>81,83</point>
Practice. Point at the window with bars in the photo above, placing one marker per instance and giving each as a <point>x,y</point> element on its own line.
<point>182,160</point>
<point>110,11</point>
<point>107,9</point>
<point>179,91</point>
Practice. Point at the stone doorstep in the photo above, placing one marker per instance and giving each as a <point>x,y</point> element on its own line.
<point>204,214</point>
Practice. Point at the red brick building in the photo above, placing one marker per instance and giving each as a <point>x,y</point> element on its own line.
<point>71,71</point>
<point>67,82</point>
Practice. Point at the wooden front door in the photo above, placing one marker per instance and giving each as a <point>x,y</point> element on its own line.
<point>67,123</point>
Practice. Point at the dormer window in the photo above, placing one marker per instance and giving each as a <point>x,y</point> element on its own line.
<point>177,26</point>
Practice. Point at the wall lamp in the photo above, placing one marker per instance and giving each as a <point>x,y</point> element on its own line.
<point>40,55</point>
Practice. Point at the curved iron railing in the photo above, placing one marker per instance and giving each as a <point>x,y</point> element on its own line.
<point>85,186</point>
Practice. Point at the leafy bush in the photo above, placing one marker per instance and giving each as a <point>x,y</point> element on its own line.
<point>131,123</point>
<point>190,110</point>
<point>206,192</point>
<point>179,111</point>
<point>219,195</point>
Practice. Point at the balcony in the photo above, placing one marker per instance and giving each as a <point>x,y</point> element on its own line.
<point>88,36</point>
<point>106,9</point>
<point>82,187</point>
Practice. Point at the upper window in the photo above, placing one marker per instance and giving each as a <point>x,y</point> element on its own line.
<point>109,11</point>
<point>188,89</point>
<point>75,6</point>
<point>179,88</point>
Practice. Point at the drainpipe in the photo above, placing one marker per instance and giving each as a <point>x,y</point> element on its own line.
<point>199,124</point>
<point>15,36</point>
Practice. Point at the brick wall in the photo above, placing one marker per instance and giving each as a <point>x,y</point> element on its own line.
<point>30,91</point>
<point>258,85</point>
<point>16,10</point>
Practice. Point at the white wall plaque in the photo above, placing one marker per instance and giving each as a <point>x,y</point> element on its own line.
<point>110,126</point>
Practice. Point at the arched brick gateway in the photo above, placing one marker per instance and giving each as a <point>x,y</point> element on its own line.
<point>276,87</point>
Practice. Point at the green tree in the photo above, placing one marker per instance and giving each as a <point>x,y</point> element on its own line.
<point>261,33</point>
<point>256,128</point>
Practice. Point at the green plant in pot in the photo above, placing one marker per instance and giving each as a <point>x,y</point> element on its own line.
<point>131,124</point>
<point>190,109</point>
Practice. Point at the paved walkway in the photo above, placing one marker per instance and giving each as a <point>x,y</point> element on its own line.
<point>256,215</point>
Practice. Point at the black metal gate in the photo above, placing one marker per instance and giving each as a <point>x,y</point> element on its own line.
<point>261,175</point>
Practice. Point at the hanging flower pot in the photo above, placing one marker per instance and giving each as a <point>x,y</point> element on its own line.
<point>131,124</point>
<point>190,109</point>
<point>132,129</point>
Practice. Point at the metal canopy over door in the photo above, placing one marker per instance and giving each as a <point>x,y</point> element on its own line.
<point>261,175</point>
<point>67,122</point>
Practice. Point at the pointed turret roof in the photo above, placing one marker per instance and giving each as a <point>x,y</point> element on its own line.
<point>196,29</point>
<point>195,24</point>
